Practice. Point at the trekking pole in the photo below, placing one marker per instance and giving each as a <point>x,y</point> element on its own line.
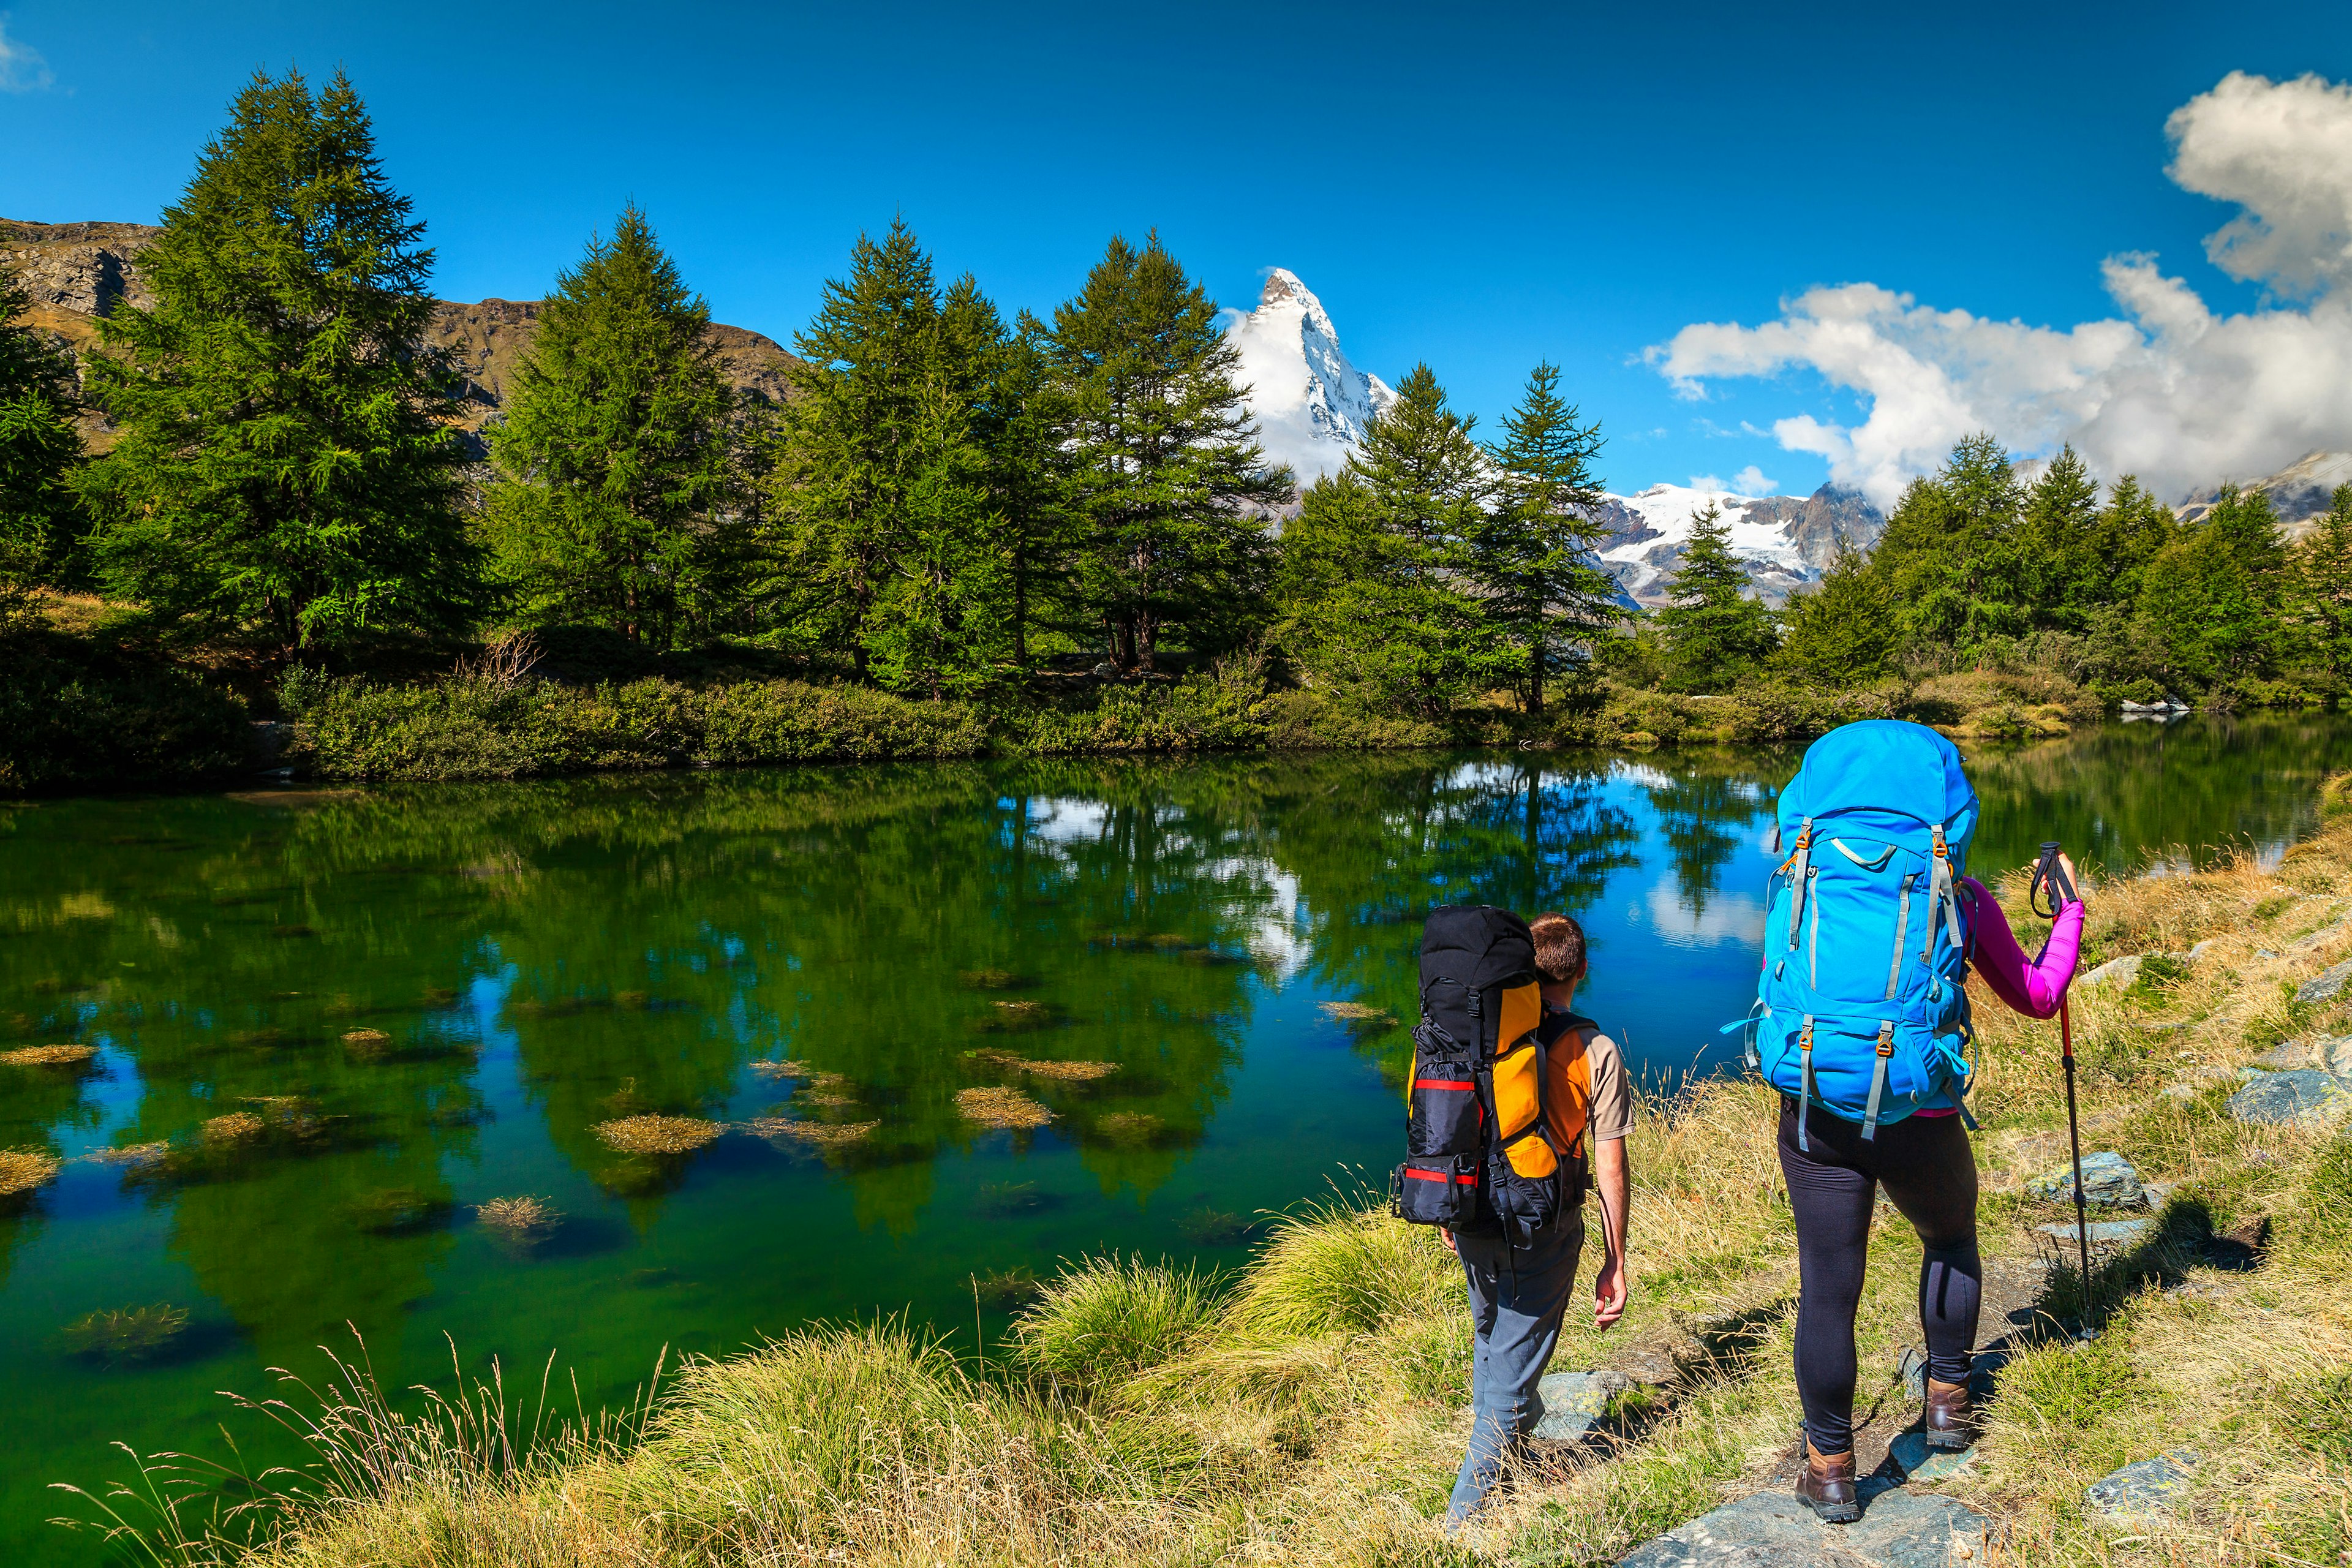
<point>2051,876</point>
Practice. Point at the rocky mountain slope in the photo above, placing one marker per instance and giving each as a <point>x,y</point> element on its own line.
<point>1786,541</point>
<point>77,273</point>
<point>2299,493</point>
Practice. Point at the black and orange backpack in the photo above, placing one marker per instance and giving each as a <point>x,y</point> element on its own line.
<point>1485,1151</point>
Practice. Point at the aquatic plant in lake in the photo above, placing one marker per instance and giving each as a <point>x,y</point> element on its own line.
<point>995,1107</point>
<point>823,1134</point>
<point>124,1334</point>
<point>657,1134</point>
<point>24,1170</point>
<point>519,1223</point>
<point>49,1056</point>
<point>783,1069</point>
<point>398,1211</point>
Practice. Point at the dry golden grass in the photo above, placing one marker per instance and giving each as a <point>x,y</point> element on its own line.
<point>49,1056</point>
<point>23,1170</point>
<point>994,1107</point>
<point>658,1134</point>
<point>236,1127</point>
<point>519,1219</point>
<point>823,1134</point>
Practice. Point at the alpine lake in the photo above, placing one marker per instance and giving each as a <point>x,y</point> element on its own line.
<point>950,1022</point>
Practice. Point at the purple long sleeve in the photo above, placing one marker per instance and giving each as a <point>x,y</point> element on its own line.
<point>2034,989</point>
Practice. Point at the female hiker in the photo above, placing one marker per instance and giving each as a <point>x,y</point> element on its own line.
<point>1871,928</point>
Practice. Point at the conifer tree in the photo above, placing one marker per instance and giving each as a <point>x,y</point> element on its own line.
<point>1165,459</point>
<point>1377,586</point>
<point>1714,629</point>
<point>1842,633</point>
<point>615,459</point>
<point>283,460</point>
<point>1952,551</point>
<point>1029,477</point>
<point>2216,594</point>
<point>2068,566</point>
<point>38,449</point>
<point>1537,548</point>
<point>2322,585</point>
<point>876,450</point>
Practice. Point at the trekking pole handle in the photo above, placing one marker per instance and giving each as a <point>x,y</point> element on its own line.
<point>2051,882</point>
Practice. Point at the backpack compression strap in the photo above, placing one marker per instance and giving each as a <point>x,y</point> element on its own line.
<point>1878,1079</point>
<point>1944,896</point>
<point>1804,1080</point>
<point>1799,866</point>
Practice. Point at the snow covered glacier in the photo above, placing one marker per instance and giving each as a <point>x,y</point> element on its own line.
<point>1311,404</point>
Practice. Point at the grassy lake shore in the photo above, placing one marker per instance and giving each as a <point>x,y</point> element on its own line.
<point>1307,1408</point>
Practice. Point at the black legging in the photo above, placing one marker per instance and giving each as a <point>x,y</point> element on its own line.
<point>1930,1175</point>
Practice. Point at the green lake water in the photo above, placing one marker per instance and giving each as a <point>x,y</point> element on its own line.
<point>542,959</point>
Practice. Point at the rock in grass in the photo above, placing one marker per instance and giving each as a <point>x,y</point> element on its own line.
<point>2140,1495</point>
<point>1573,1401</point>
<point>1898,1529</point>
<point>2304,1095</point>
<point>2324,987</point>
<point>2108,1182</point>
<point>2332,1056</point>
<point>2117,970</point>
<point>2103,1233</point>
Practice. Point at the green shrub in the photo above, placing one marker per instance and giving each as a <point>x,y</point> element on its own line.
<point>74,716</point>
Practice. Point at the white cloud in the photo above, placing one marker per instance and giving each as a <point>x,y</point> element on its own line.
<point>1748,481</point>
<point>22,68</point>
<point>2169,391</point>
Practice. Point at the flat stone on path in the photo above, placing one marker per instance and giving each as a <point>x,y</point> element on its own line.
<point>2323,986</point>
<point>2306,1094</point>
<point>1921,1463</point>
<point>2108,1182</point>
<point>1572,1401</point>
<point>2141,1495</point>
<point>1898,1529</point>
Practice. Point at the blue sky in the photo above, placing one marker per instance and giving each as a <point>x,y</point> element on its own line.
<point>1479,188</point>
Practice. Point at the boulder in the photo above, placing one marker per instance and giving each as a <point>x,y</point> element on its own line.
<point>2324,987</point>
<point>1898,1529</point>
<point>1573,1401</point>
<point>2108,1182</point>
<point>2306,1094</point>
<point>2319,938</point>
<point>2333,1055</point>
<point>2141,1495</point>
<point>2118,971</point>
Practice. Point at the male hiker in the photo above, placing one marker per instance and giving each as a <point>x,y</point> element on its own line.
<point>1520,1280</point>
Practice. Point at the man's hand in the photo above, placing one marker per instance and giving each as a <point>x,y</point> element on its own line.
<point>1447,1236</point>
<point>1609,1292</point>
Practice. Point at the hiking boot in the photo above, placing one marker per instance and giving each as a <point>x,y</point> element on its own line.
<point>1826,1486</point>
<point>1950,1422</point>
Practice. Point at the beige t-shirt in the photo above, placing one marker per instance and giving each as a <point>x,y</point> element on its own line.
<point>1594,1077</point>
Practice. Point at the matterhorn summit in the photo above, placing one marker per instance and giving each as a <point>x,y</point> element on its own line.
<point>1311,404</point>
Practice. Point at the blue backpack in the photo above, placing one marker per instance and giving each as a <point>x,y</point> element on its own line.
<point>1861,1006</point>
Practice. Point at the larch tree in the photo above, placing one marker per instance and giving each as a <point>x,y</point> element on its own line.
<point>1165,465</point>
<point>614,461</point>
<point>2322,585</point>
<point>1536,549</point>
<point>286,459</point>
<point>1713,626</point>
<point>38,450</point>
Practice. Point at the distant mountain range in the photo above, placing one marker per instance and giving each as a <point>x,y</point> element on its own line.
<point>1312,405</point>
<point>78,271</point>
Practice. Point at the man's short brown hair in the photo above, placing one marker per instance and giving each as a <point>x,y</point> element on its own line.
<point>1559,947</point>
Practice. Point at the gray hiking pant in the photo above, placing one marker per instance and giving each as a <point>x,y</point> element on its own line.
<point>1518,1296</point>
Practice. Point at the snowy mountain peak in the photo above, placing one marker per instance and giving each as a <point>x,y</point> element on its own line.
<point>1311,404</point>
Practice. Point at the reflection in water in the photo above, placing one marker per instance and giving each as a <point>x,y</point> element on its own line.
<point>931,1028</point>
